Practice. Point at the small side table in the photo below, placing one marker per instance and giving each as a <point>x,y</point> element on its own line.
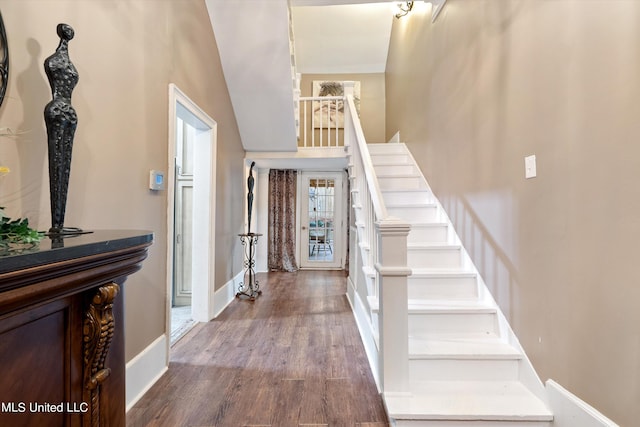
<point>250,287</point>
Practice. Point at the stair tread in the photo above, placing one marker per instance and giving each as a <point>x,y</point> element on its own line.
<point>381,159</point>
<point>462,346</point>
<point>424,245</point>
<point>398,175</point>
<point>440,306</point>
<point>411,205</point>
<point>429,224</point>
<point>468,400</point>
<point>408,190</point>
<point>449,306</point>
<point>442,272</point>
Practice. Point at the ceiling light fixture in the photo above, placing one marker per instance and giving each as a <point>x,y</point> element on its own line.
<point>404,9</point>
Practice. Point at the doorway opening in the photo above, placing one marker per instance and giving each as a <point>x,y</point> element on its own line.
<point>321,217</point>
<point>191,215</point>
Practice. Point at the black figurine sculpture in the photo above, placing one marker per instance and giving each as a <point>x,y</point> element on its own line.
<point>250,182</point>
<point>4,60</point>
<point>61,121</point>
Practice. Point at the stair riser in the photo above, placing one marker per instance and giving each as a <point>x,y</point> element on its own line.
<point>428,234</point>
<point>456,288</point>
<point>434,258</point>
<point>390,158</point>
<point>401,183</point>
<point>387,148</point>
<point>425,325</point>
<point>404,197</point>
<point>386,169</point>
<point>414,213</point>
<point>473,423</point>
<point>463,370</point>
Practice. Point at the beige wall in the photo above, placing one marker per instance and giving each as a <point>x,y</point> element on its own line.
<point>494,81</point>
<point>126,54</point>
<point>372,99</point>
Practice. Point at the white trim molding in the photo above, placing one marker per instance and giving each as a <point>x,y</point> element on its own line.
<point>364,327</point>
<point>223,296</point>
<point>204,204</point>
<point>570,411</point>
<point>436,8</point>
<point>145,369</point>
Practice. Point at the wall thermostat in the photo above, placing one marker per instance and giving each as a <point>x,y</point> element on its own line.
<point>156,180</point>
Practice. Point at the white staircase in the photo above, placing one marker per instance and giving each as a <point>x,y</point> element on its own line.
<point>466,367</point>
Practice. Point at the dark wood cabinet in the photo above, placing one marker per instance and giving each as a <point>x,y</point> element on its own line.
<point>61,329</point>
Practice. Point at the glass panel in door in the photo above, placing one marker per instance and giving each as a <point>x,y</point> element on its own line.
<point>321,220</point>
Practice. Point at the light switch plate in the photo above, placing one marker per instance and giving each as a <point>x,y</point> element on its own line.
<point>530,166</point>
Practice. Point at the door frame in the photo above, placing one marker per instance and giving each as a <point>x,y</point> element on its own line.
<point>204,181</point>
<point>340,230</point>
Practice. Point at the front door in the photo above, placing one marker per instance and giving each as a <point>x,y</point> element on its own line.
<point>321,220</point>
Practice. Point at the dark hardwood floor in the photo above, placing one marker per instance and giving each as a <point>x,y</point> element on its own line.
<point>291,358</point>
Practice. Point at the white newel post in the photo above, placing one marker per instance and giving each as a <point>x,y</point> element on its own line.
<point>392,272</point>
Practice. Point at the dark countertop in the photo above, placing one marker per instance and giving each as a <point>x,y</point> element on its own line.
<point>50,251</point>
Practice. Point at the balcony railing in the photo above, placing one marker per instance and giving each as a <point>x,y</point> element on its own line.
<point>321,122</point>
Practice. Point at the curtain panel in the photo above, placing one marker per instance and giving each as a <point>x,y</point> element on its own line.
<point>282,220</point>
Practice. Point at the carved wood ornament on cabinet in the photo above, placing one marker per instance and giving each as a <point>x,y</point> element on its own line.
<point>98,329</point>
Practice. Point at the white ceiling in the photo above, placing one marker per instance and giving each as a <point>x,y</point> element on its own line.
<point>341,39</point>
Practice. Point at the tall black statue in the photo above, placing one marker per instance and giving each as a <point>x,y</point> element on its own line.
<point>4,60</point>
<point>61,121</point>
<point>250,182</point>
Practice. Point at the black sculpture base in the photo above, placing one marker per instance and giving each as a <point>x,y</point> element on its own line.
<point>249,287</point>
<point>58,236</point>
<point>65,232</point>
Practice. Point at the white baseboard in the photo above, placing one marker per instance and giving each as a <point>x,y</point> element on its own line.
<point>569,411</point>
<point>395,138</point>
<point>223,296</point>
<point>145,369</point>
<point>364,327</point>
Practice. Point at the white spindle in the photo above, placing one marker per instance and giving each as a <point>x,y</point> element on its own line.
<point>304,129</point>
<point>336,129</point>
<point>327,107</point>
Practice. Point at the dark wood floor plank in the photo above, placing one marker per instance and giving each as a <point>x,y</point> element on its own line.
<point>288,391</point>
<point>291,358</point>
